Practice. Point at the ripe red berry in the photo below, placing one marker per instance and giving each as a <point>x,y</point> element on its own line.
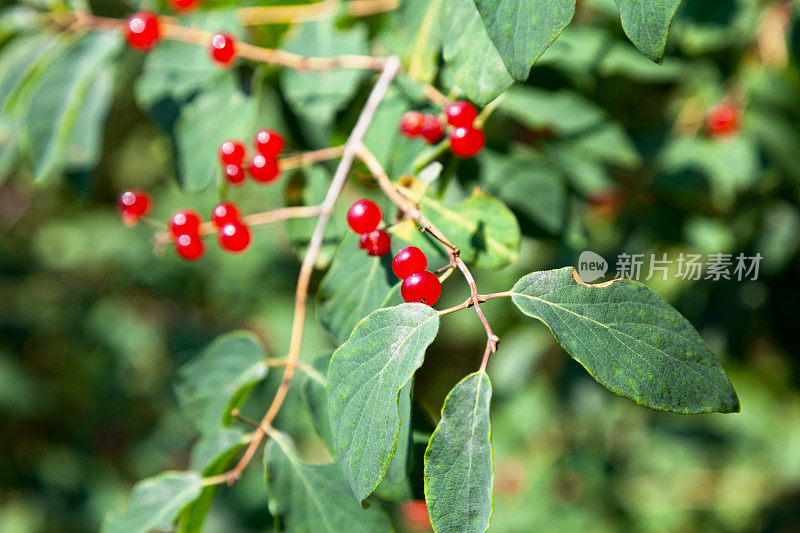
<point>263,168</point>
<point>189,246</point>
<point>184,222</point>
<point>269,142</point>
<point>134,205</point>
<point>223,49</point>
<point>234,174</point>
<point>722,120</point>
<point>364,216</point>
<point>466,142</point>
<point>143,30</point>
<point>231,153</point>
<point>409,261</point>
<point>432,130</point>
<point>411,123</point>
<point>415,515</point>
<point>234,237</point>
<point>225,213</point>
<point>421,287</point>
<point>184,5</point>
<point>461,114</point>
<point>363,241</point>
<point>377,242</point>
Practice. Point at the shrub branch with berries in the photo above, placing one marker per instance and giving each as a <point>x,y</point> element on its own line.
<point>625,335</point>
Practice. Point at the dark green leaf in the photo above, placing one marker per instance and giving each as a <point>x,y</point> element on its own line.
<point>395,484</point>
<point>316,399</point>
<point>220,379</point>
<point>459,473</point>
<point>313,498</point>
<point>156,502</point>
<point>630,340</point>
<point>646,23</point>
<point>365,377</point>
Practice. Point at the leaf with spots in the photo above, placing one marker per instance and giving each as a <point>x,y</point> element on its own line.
<point>365,377</point>
<point>647,22</point>
<point>630,340</point>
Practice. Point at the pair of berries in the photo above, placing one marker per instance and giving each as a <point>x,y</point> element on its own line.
<point>465,139</point>
<point>233,234</point>
<point>418,285</point>
<point>263,167</point>
<point>134,205</point>
<point>722,120</point>
<point>363,217</point>
<point>143,31</point>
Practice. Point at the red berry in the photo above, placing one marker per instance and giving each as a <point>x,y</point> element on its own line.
<point>184,5</point>
<point>223,48</point>
<point>234,237</point>
<point>409,261</point>
<point>421,287</point>
<point>134,205</point>
<point>364,216</point>
<point>189,246</point>
<point>269,142</point>
<point>415,515</point>
<point>466,142</point>
<point>231,153</point>
<point>225,213</point>
<point>143,30</point>
<point>234,174</point>
<point>377,242</point>
<point>722,119</point>
<point>184,222</point>
<point>461,114</point>
<point>263,168</point>
<point>362,241</point>
<point>411,123</point>
<point>432,130</point>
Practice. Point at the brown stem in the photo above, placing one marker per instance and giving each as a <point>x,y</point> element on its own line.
<point>412,211</point>
<point>250,16</point>
<point>353,144</point>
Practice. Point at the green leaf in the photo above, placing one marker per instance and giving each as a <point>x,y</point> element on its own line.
<point>313,498</point>
<point>156,502</point>
<point>204,124</point>
<point>521,30</point>
<point>646,23</point>
<point>474,62</point>
<point>630,340</point>
<point>319,95</point>
<point>77,84</point>
<point>315,397</point>
<point>354,286</point>
<point>459,473</point>
<point>365,377</point>
<point>219,380</point>
<point>482,227</point>
<point>395,484</point>
<point>178,70</point>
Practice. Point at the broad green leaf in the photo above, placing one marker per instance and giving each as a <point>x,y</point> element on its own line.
<point>395,484</point>
<point>354,286</point>
<point>482,227</point>
<point>364,379</point>
<point>204,124</point>
<point>313,498</point>
<point>459,473</point>
<point>646,23</point>
<point>521,30</point>
<point>630,340</point>
<point>474,62</point>
<point>383,135</point>
<point>315,397</point>
<point>319,95</point>
<point>155,503</point>
<point>59,99</point>
<point>220,379</point>
<point>413,35</point>
<point>178,70</point>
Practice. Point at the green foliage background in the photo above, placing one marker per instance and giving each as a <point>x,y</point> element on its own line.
<point>600,149</point>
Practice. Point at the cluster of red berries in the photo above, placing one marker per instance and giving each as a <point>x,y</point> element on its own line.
<point>263,167</point>
<point>465,139</point>
<point>364,217</point>
<point>143,31</point>
<point>184,225</point>
<point>722,120</point>
<point>418,285</point>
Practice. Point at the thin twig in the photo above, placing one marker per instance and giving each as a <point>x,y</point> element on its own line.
<point>353,144</point>
<point>251,16</point>
<point>306,369</point>
<point>412,211</point>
